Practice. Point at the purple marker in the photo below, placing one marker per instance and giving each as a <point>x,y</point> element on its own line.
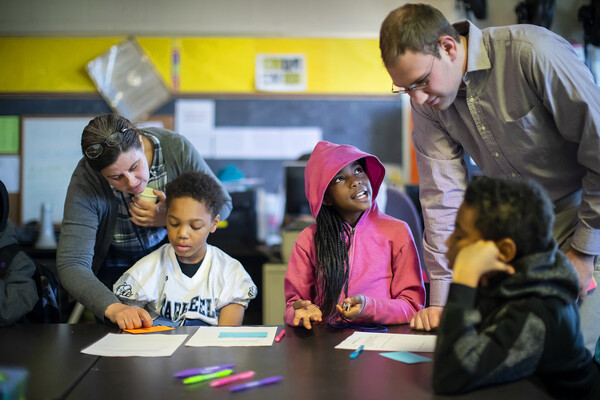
<point>202,371</point>
<point>262,382</point>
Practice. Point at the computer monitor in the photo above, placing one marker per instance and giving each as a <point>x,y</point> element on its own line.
<point>295,198</point>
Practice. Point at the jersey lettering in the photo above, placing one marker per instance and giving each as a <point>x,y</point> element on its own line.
<point>194,304</point>
<point>174,309</point>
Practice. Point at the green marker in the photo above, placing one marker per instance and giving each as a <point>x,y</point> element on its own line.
<point>205,377</point>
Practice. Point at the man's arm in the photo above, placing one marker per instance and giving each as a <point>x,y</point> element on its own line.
<point>442,181</point>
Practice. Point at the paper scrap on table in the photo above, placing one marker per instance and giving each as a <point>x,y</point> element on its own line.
<point>118,345</point>
<point>406,357</point>
<point>593,284</point>
<point>158,328</point>
<point>388,342</point>
<point>229,336</point>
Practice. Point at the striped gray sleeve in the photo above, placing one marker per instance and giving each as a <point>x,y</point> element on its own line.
<point>521,359</point>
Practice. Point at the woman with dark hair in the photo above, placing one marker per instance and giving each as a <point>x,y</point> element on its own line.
<point>106,228</point>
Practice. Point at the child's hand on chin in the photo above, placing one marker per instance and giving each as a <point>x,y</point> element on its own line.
<point>476,260</point>
<point>305,312</point>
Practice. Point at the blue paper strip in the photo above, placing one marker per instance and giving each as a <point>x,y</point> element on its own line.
<point>405,357</point>
<point>242,334</point>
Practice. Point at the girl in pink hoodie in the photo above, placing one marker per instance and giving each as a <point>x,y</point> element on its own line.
<point>356,260</point>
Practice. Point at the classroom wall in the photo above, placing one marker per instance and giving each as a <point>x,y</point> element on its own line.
<point>243,18</point>
<point>264,18</point>
<point>204,65</point>
<point>45,45</point>
<point>48,43</point>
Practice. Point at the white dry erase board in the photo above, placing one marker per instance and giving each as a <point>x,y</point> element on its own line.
<point>50,150</point>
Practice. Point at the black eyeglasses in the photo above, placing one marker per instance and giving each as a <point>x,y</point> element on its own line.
<point>113,140</point>
<point>417,86</point>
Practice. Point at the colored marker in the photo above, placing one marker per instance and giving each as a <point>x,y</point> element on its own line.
<point>253,384</point>
<point>201,371</point>
<point>232,378</point>
<point>205,377</point>
<point>280,336</point>
<point>357,351</point>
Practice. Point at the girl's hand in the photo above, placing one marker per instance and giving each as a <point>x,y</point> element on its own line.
<point>305,312</point>
<point>351,307</point>
<point>476,260</point>
<point>148,214</point>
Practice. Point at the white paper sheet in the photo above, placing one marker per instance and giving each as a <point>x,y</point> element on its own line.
<point>265,143</point>
<point>195,119</point>
<point>9,173</point>
<point>209,336</point>
<point>126,345</point>
<point>388,342</point>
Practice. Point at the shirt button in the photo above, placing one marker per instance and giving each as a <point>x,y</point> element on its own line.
<point>483,128</point>
<point>513,175</point>
<point>497,154</point>
<point>472,100</point>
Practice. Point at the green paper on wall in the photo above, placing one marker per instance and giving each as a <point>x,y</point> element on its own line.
<point>9,134</point>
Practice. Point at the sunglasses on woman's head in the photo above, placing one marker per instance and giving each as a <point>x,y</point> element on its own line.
<point>113,140</point>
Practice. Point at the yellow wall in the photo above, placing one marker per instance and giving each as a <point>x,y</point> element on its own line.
<point>208,65</point>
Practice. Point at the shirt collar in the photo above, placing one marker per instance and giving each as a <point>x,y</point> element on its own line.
<point>477,57</point>
<point>157,159</point>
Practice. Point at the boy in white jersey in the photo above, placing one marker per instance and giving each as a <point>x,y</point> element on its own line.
<point>187,281</point>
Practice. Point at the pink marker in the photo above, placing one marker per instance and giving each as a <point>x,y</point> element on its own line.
<point>280,336</point>
<point>232,378</point>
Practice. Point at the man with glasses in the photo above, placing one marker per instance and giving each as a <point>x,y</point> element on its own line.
<point>522,105</point>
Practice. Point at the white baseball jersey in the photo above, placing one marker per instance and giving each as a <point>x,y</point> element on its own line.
<point>157,284</point>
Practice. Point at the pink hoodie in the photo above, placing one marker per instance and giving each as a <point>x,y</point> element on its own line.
<point>384,264</point>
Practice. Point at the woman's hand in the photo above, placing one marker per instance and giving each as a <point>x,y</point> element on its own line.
<point>128,317</point>
<point>305,312</point>
<point>351,307</point>
<point>148,214</point>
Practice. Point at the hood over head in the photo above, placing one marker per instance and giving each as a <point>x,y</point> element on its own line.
<point>545,274</point>
<point>326,160</point>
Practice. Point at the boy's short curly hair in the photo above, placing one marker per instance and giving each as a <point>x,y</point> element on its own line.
<point>199,186</point>
<point>517,209</point>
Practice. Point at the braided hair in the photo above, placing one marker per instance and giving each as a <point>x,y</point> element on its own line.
<point>332,240</point>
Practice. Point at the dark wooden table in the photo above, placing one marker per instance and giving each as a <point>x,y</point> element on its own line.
<point>51,354</point>
<point>312,369</point>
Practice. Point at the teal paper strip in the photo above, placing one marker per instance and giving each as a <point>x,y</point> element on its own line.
<point>242,334</point>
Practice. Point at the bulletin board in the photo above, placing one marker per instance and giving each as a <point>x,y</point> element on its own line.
<point>50,151</point>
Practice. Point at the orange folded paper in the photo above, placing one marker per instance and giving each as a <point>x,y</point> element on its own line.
<point>157,328</point>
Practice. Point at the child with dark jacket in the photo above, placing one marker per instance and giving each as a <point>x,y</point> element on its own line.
<point>18,293</point>
<point>512,307</point>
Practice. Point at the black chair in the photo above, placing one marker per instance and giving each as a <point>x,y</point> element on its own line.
<point>399,205</point>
